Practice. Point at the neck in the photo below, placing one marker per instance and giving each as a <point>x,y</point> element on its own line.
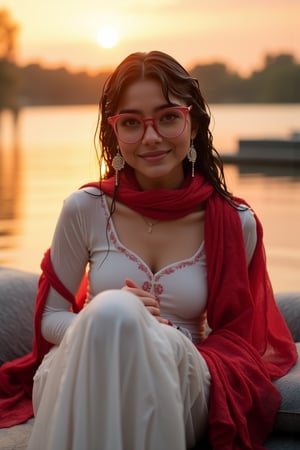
<point>171,182</point>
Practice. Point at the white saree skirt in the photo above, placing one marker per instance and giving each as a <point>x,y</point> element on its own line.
<point>120,380</point>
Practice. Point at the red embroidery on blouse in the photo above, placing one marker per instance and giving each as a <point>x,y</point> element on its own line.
<point>115,241</point>
<point>147,286</point>
<point>158,289</point>
<point>180,265</point>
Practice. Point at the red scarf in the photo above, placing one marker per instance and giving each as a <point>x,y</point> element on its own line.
<point>250,343</point>
<point>160,204</point>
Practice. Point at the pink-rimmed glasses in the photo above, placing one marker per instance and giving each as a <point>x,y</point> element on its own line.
<point>169,122</point>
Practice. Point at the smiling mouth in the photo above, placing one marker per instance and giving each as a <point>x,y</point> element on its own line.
<point>155,155</point>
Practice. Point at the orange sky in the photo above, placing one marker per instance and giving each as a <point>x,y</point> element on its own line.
<point>237,32</point>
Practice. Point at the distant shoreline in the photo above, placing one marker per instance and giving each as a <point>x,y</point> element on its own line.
<point>267,151</point>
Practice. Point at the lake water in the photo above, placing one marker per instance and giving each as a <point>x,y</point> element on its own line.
<point>54,155</point>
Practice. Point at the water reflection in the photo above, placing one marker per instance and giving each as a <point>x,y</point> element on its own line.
<point>274,194</point>
<point>279,171</point>
<point>10,185</point>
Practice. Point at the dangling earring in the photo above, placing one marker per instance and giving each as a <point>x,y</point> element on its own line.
<point>118,164</point>
<point>192,156</point>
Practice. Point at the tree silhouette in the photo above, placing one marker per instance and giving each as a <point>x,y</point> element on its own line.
<point>8,70</point>
<point>277,82</point>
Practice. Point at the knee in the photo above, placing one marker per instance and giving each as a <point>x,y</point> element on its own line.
<point>113,308</point>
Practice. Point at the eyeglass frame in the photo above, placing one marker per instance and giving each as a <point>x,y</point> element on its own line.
<point>112,120</point>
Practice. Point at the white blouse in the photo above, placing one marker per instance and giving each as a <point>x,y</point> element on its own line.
<point>84,235</point>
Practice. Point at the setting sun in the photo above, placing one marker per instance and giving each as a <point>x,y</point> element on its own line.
<point>108,37</point>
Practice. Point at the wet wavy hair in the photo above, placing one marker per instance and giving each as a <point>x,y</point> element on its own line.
<point>175,80</point>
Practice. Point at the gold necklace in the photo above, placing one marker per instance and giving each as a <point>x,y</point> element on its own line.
<point>149,224</point>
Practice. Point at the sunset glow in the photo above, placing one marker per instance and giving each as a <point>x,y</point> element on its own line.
<point>108,37</point>
<point>78,34</point>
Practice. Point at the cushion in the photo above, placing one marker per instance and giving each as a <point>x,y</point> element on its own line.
<point>17,297</point>
<point>289,305</point>
<point>288,416</point>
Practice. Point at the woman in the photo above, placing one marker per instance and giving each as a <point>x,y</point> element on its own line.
<point>167,247</point>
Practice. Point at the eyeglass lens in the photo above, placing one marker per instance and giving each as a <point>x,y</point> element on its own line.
<point>169,123</point>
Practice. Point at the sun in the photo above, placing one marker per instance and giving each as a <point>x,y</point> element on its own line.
<point>108,37</point>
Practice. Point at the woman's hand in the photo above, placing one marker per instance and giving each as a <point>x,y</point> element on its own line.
<point>149,300</point>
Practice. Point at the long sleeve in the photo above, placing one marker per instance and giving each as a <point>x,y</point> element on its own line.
<point>69,256</point>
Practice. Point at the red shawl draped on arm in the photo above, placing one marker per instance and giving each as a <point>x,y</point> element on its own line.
<point>249,344</point>
<point>16,377</point>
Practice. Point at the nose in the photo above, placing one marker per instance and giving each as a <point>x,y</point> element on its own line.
<point>150,135</point>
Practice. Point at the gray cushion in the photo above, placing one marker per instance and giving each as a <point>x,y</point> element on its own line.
<point>289,305</point>
<point>288,416</point>
<point>17,296</point>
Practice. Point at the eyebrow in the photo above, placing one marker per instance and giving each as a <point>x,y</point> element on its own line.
<point>158,108</point>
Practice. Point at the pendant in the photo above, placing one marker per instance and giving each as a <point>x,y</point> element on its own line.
<point>150,226</point>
